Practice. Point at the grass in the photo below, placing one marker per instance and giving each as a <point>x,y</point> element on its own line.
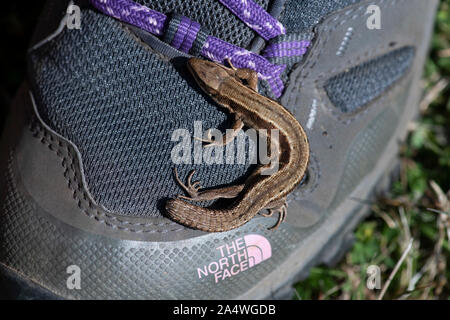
<point>404,212</point>
<point>401,215</point>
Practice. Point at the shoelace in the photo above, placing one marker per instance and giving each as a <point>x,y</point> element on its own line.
<point>187,35</point>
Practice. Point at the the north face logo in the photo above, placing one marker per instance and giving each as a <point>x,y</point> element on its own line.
<point>237,256</point>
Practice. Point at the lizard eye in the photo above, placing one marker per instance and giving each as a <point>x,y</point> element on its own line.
<point>244,81</point>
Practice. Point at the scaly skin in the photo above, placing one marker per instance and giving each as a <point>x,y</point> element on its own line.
<point>260,191</point>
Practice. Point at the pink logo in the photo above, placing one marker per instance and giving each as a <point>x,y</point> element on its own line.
<point>237,256</point>
<point>258,249</point>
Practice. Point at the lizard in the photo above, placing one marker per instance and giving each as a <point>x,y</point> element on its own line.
<point>236,90</point>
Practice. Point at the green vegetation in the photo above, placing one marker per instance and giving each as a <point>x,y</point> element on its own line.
<point>403,213</point>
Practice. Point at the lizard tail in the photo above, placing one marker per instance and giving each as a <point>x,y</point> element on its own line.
<point>201,218</point>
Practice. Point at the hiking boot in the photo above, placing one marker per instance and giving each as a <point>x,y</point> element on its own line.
<point>88,150</point>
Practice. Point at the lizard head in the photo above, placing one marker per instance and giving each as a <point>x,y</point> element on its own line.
<point>209,75</point>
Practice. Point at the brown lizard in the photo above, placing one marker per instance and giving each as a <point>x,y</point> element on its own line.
<point>235,89</point>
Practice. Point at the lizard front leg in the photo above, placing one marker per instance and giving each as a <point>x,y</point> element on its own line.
<point>192,189</point>
<point>226,138</point>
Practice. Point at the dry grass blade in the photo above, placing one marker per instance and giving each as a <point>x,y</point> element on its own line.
<point>297,295</point>
<point>406,278</point>
<point>433,263</point>
<point>444,206</point>
<point>444,53</point>
<point>386,218</point>
<point>396,268</point>
<point>433,94</point>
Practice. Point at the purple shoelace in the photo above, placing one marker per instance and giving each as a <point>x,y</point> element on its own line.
<point>186,35</point>
<point>255,17</point>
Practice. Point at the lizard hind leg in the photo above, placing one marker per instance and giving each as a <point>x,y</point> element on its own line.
<point>192,189</point>
<point>277,206</point>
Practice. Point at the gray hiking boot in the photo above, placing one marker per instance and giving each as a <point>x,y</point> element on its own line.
<point>87,152</point>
